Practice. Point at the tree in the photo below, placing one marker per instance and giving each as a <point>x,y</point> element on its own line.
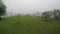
<point>2,9</point>
<point>56,13</point>
<point>45,14</point>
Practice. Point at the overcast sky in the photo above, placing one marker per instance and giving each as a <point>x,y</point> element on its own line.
<point>31,6</point>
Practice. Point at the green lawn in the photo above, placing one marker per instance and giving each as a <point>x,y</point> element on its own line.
<point>29,25</point>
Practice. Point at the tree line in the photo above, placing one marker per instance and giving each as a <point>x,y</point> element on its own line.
<point>52,14</point>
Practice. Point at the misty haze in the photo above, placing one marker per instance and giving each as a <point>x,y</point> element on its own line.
<point>29,16</point>
<point>31,6</point>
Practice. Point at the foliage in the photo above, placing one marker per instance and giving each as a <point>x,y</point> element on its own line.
<point>52,14</point>
<point>56,14</point>
<point>2,9</point>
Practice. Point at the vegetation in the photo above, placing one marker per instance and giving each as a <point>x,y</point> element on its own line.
<point>2,9</point>
<point>29,25</point>
<point>52,14</point>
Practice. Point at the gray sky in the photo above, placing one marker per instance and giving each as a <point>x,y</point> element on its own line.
<point>31,6</point>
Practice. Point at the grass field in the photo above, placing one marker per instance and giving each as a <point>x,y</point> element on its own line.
<point>29,25</point>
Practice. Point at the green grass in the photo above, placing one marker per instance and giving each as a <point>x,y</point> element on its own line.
<point>29,25</point>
